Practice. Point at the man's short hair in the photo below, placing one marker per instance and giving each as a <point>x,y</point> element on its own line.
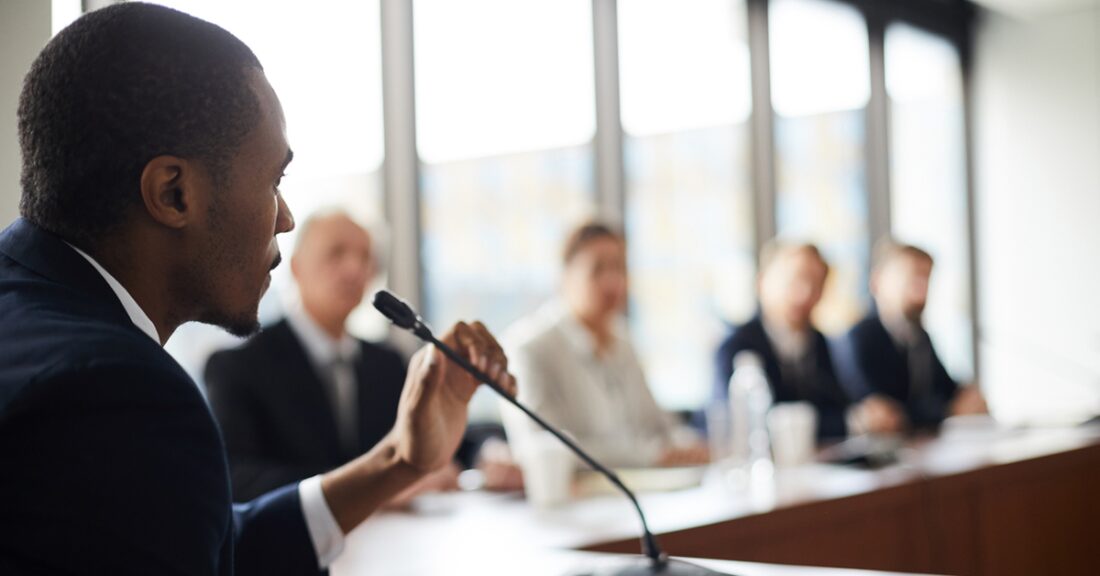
<point>117,88</point>
<point>887,250</point>
<point>585,234</point>
<point>776,248</point>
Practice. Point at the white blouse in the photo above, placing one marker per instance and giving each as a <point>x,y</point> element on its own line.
<point>603,402</point>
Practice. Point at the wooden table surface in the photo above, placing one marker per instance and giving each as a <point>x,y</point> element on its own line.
<point>951,505</point>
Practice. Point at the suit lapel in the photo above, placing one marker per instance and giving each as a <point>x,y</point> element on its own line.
<point>307,391</point>
<point>895,362</point>
<point>769,357</point>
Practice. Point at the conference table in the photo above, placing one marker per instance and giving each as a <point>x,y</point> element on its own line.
<point>974,500</point>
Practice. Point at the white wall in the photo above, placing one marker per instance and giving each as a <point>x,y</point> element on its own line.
<point>24,29</point>
<point>1037,178</point>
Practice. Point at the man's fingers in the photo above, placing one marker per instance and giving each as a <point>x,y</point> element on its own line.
<point>492,348</point>
<point>468,342</point>
<point>481,349</point>
<point>508,382</point>
<point>496,361</point>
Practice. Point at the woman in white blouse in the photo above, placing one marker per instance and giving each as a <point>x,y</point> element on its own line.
<point>578,369</point>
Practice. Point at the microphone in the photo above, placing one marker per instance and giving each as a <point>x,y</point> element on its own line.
<point>403,316</point>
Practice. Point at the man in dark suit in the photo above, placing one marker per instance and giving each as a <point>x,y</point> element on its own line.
<point>303,396</point>
<point>152,151</point>
<point>890,354</point>
<point>795,355</point>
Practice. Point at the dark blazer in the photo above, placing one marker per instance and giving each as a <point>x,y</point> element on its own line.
<point>869,362</point>
<point>111,461</point>
<point>276,415</point>
<point>826,395</point>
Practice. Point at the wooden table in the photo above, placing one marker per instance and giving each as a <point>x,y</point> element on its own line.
<point>974,503</point>
<point>978,502</point>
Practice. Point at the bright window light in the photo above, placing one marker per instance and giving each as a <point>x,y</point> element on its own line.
<point>683,65</point>
<point>63,13</point>
<point>928,180</point>
<point>819,59</point>
<point>921,66</point>
<point>502,76</point>
<point>333,109</point>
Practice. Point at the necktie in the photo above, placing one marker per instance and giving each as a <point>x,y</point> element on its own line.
<point>920,365</point>
<point>345,403</point>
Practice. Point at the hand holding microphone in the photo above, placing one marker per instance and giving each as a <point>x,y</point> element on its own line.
<point>436,394</point>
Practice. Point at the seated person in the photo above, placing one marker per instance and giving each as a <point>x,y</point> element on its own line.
<point>795,356</point>
<point>889,353</point>
<point>303,396</point>
<point>579,370</point>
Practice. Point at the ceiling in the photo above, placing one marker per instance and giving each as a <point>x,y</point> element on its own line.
<point>1035,8</point>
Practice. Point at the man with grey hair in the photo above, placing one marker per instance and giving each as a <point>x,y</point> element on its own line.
<point>304,396</point>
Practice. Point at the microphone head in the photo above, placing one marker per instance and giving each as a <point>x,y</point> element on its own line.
<point>394,308</point>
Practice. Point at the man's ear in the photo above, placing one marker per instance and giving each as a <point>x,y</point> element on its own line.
<point>172,190</point>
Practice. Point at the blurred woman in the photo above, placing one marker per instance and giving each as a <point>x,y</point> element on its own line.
<point>578,369</point>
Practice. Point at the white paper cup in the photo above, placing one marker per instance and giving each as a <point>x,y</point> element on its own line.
<point>547,471</point>
<point>793,430</point>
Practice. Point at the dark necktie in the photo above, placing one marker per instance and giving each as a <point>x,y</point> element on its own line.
<point>919,352</point>
<point>345,402</point>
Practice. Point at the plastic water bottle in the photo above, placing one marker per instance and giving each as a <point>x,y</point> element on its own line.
<point>750,399</point>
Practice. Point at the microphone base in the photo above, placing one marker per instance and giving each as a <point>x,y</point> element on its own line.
<point>646,567</point>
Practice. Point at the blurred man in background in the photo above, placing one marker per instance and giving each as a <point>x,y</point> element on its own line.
<point>795,355</point>
<point>889,353</point>
<point>304,396</point>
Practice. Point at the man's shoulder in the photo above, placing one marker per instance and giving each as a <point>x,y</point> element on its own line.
<point>747,335</point>
<point>869,328</point>
<point>44,343</point>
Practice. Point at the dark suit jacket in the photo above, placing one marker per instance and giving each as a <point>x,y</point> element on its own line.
<point>111,461</point>
<point>827,396</point>
<point>275,411</point>
<point>869,361</point>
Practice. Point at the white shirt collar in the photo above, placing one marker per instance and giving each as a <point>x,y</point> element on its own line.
<point>321,347</point>
<point>789,345</point>
<point>136,314</point>
<point>900,329</point>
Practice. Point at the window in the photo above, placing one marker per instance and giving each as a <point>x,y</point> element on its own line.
<point>63,13</point>
<point>505,119</point>
<point>324,60</point>
<point>505,125</point>
<point>820,68</point>
<point>928,180</point>
<point>686,100</point>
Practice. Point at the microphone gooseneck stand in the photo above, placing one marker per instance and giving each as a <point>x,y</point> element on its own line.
<point>403,316</point>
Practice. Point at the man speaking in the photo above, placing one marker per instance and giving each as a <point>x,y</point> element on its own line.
<point>153,147</point>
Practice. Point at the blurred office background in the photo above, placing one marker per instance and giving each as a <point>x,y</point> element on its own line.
<point>472,134</point>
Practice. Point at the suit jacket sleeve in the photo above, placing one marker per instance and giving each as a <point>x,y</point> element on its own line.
<point>723,367</point>
<point>121,468</point>
<point>945,385</point>
<point>232,401</point>
<point>847,357</point>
